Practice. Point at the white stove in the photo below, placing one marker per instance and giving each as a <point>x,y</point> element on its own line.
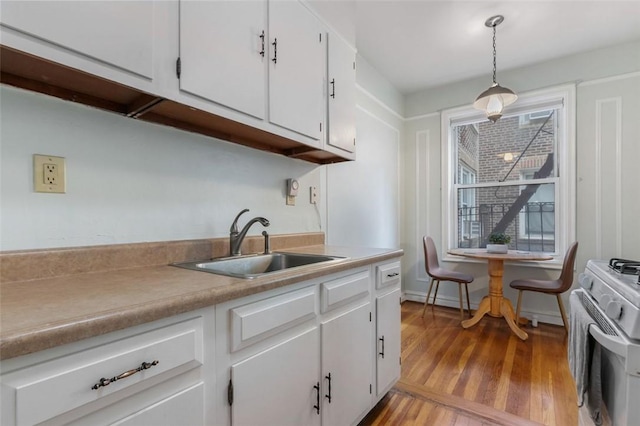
<point>610,294</point>
<point>617,294</point>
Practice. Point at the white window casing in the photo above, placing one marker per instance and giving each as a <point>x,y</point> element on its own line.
<point>561,98</point>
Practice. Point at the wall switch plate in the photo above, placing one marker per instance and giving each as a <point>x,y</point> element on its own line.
<point>313,194</point>
<point>49,174</point>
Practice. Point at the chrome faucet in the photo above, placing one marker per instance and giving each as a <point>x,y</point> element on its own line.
<point>236,238</point>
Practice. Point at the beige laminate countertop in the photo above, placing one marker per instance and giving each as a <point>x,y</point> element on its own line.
<point>44,313</point>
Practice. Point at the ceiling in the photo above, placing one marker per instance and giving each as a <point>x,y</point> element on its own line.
<point>421,44</point>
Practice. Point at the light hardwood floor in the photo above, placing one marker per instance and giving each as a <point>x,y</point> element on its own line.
<point>481,376</point>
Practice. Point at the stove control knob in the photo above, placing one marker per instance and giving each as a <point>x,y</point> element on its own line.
<point>604,301</point>
<point>614,309</point>
<point>585,281</point>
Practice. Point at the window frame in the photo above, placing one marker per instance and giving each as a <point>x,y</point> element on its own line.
<point>529,102</point>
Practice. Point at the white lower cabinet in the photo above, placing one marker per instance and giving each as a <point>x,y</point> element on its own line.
<point>346,366</point>
<point>305,354</point>
<point>276,386</point>
<point>150,374</point>
<point>388,343</point>
<point>387,326</point>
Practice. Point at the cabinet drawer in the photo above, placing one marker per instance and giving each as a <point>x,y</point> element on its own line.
<point>65,383</point>
<point>344,290</point>
<point>388,275</point>
<point>256,321</point>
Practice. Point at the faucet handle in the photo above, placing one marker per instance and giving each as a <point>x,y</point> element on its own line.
<point>234,225</point>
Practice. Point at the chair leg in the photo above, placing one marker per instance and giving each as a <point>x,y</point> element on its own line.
<point>562,313</point>
<point>466,289</point>
<point>426,301</point>
<point>435,294</point>
<point>460,298</point>
<point>518,306</point>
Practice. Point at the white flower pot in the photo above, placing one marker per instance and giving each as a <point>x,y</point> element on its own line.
<point>497,248</point>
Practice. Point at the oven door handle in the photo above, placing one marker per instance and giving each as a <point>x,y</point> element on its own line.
<point>613,343</point>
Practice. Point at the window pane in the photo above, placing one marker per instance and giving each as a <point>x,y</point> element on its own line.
<point>501,151</point>
<point>524,212</point>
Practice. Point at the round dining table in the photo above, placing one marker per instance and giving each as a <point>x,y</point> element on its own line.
<point>495,304</point>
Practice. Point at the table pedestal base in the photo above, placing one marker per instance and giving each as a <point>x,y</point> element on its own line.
<point>505,310</point>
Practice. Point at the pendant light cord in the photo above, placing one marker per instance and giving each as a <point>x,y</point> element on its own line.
<point>494,54</point>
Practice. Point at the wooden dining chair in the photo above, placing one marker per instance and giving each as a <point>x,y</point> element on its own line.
<point>556,287</point>
<point>438,274</point>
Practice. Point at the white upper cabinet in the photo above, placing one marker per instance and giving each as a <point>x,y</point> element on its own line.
<point>85,35</point>
<point>223,53</point>
<point>341,97</point>
<point>296,75</point>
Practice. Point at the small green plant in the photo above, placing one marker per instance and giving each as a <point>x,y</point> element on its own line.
<point>499,238</point>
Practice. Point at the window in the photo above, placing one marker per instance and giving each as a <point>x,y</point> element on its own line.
<point>509,177</point>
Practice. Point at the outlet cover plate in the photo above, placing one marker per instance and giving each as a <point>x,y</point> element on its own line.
<point>49,174</point>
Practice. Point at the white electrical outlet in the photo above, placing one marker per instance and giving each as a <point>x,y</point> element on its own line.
<point>313,195</point>
<point>49,174</point>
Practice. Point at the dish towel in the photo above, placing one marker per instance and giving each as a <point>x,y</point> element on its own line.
<point>584,358</point>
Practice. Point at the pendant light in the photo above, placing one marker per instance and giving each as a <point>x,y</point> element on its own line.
<point>495,98</point>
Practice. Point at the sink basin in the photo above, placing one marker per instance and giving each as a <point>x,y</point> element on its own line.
<point>253,266</point>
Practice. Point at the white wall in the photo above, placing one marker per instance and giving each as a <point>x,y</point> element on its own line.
<point>365,196</point>
<point>607,129</point>
<point>131,181</point>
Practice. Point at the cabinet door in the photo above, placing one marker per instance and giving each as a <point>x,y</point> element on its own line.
<point>346,356</point>
<point>116,33</point>
<point>276,386</point>
<point>388,331</point>
<point>342,94</point>
<point>223,53</point>
<point>296,76</point>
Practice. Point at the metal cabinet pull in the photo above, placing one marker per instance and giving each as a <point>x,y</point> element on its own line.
<point>382,353</point>
<point>333,88</point>
<point>317,406</point>
<point>395,274</point>
<point>105,382</point>
<point>275,50</point>
<point>328,396</point>
<point>262,42</point>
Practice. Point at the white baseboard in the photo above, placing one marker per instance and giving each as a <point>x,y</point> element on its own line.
<point>443,300</point>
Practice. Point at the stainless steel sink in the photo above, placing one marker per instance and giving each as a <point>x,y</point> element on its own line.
<point>253,266</point>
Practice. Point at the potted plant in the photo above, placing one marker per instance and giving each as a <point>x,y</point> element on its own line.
<point>498,243</point>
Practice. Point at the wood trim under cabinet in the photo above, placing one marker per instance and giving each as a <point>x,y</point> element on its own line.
<point>39,75</point>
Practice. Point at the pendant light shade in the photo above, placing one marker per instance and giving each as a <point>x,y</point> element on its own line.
<point>493,100</point>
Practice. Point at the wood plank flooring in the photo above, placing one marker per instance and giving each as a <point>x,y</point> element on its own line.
<point>484,375</point>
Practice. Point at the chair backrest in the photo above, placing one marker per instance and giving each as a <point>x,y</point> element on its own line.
<point>566,276</point>
<point>430,255</point>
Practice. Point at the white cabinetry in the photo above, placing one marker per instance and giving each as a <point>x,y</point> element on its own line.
<point>346,366</point>
<point>269,358</point>
<point>115,40</point>
<point>341,122</point>
<point>154,374</point>
<point>276,386</point>
<point>296,75</point>
<point>387,326</point>
<point>224,51</point>
<point>304,354</point>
